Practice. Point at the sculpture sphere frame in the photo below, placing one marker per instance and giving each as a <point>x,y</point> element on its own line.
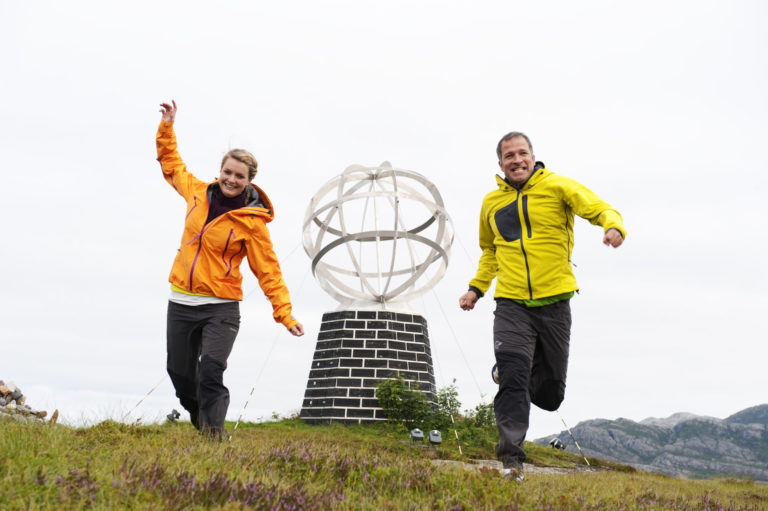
<point>393,185</point>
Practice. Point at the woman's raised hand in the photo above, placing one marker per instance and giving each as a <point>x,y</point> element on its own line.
<point>168,111</point>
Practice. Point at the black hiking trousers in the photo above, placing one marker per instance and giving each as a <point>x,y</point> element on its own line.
<point>199,341</point>
<point>531,346</point>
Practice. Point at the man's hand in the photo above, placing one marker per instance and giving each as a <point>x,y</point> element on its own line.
<point>613,238</point>
<point>168,111</point>
<point>297,330</point>
<point>468,300</point>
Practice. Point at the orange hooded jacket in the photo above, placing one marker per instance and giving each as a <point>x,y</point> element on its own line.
<point>208,260</point>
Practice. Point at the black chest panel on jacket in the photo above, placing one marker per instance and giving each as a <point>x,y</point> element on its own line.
<point>508,222</point>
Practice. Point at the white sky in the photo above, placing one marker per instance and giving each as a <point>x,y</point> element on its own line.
<point>659,107</point>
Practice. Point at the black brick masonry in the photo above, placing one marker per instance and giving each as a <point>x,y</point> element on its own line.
<point>344,369</point>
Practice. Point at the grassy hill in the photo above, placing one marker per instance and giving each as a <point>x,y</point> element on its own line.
<point>290,465</point>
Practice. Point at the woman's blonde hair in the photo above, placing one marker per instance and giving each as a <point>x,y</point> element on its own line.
<point>245,157</point>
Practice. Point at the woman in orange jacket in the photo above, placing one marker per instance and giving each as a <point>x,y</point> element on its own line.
<point>225,222</point>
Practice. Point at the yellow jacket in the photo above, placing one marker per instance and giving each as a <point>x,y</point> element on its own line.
<point>526,235</point>
<point>208,260</point>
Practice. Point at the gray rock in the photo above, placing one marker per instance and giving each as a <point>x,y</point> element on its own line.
<point>12,404</point>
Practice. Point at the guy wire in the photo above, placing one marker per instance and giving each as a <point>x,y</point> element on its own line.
<point>266,359</point>
<point>456,341</point>
<point>283,262</point>
<point>258,377</point>
<point>464,249</point>
<point>145,397</point>
<point>442,378</point>
<point>572,438</point>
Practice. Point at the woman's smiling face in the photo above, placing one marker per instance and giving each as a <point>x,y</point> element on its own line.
<point>233,177</point>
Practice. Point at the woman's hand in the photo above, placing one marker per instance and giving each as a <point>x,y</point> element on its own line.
<point>297,330</point>
<point>168,111</point>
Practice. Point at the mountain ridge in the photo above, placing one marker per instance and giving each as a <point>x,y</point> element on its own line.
<point>682,444</point>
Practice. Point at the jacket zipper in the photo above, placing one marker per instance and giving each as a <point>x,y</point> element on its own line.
<point>568,233</point>
<point>199,237</point>
<point>525,215</point>
<point>192,209</point>
<point>242,249</point>
<point>226,246</point>
<point>199,246</point>
<point>524,204</point>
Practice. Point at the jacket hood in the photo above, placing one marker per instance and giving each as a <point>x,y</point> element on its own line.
<point>539,173</point>
<point>258,202</point>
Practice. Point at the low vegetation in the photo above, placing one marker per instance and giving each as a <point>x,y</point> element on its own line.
<point>287,464</point>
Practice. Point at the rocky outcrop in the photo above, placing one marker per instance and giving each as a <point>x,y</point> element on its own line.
<point>13,405</point>
<point>680,445</point>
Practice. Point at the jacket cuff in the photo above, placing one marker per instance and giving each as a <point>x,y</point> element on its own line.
<point>477,291</point>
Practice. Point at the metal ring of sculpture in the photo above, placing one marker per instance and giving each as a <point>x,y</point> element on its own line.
<point>355,197</point>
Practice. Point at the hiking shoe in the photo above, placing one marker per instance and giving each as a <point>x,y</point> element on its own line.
<point>513,474</point>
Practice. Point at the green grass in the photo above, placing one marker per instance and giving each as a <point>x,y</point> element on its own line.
<point>290,465</point>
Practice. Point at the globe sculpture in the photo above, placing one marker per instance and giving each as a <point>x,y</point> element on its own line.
<point>377,236</point>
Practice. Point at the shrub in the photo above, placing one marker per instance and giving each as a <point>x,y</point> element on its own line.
<point>448,406</point>
<point>482,415</point>
<point>402,404</point>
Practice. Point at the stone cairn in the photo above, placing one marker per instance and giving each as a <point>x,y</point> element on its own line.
<point>12,405</point>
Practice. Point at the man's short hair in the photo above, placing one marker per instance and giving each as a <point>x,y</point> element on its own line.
<point>511,135</point>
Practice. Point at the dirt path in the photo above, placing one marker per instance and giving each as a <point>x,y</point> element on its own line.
<point>477,465</point>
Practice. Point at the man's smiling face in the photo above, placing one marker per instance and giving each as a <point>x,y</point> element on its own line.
<point>517,160</point>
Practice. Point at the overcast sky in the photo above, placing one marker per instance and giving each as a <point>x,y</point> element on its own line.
<point>659,107</point>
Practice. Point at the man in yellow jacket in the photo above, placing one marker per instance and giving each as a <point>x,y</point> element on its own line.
<point>526,237</point>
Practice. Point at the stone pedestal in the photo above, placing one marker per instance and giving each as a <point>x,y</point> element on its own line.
<point>357,350</point>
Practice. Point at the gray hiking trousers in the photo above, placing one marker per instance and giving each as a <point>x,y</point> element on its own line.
<point>531,348</point>
<point>199,341</point>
